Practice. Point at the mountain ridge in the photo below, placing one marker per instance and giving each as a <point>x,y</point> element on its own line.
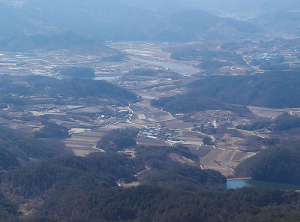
<point>113,21</point>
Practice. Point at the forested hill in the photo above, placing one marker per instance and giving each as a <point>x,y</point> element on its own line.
<point>278,89</point>
<point>84,189</point>
<point>279,164</point>
<point>17,149</point>
<point>272,89</point>
<point>23,88</point>
<point>166,182</point>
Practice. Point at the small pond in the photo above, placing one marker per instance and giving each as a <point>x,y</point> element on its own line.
<point>233,184</point>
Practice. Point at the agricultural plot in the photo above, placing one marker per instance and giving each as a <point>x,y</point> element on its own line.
<point>137,108</point>
<point>270,113</point>
<point>85,142</point>
<point>192,134</point>
<point>211,161</point>
<point>223,159</point>
<point>91,109</point>
<point>177,124</point>
<point>161,116</point>
<point>143,140</point>
<point>138,122</point>
<point>191,141</point>
<point>201,151</point>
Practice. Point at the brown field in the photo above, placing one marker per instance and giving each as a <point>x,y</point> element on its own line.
<point>161,116</point>
<point>177,124</point>
<point>137,108</point>
<point>84,143</point>
<point>222,159</point>
<point>134,117</point>
<point>143,140</point>
<point>193,134</point>
<point>269,112</point>
<point>239,156</point>
<point>201,151</point>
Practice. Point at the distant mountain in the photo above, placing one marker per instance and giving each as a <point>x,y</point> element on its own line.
<point>55,22</point>
<point>105,19</point>
<point>195,25</point>
<point>162,7</point>
<point>232,8</point>
<point>281,22</point>
<point>277,16</point>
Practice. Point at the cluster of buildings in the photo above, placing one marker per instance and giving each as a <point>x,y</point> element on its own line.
<point>162,134</point>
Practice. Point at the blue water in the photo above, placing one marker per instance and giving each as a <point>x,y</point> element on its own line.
<point>233,184</point>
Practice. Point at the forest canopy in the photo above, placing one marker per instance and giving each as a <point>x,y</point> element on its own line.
<point>77,72</point>
<point>118,139</point>
<point>278,89</point>
<point>280,164</point>
<point>72,89</point>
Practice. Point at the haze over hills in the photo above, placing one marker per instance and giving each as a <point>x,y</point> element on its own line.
<point>195,25</point>
<point>244,8</point>
<point>283,21</point>
<point>276,16</point>
<point>114,20</point>
<point>120,20</point>
<point>92,19</point>
<point>217,7</point>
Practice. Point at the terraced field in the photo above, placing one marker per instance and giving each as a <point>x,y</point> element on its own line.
<point>84,143</point>
<point>224,159</point>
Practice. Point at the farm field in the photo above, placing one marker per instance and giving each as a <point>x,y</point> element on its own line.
<point>84,143</point>
<point>157,127</point>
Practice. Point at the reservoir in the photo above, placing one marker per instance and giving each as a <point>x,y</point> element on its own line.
<point>233,184</point>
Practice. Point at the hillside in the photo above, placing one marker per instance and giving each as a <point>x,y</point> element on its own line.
<point>39,24</point>
<point>281,21</point>
<point>271,89</point>
<point>189,104</point>
<point>279,164</point>
<point>195,25</point>
<point>84,189</point>
<point>118,139</point>
<point>242,9</point>
<point>35,24</point>
<point>70,186</point>
<point>230,7</point>
<point>18,149</point>
<point>276,16</point>
<point>25,88</point>
<point>165,184</point>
